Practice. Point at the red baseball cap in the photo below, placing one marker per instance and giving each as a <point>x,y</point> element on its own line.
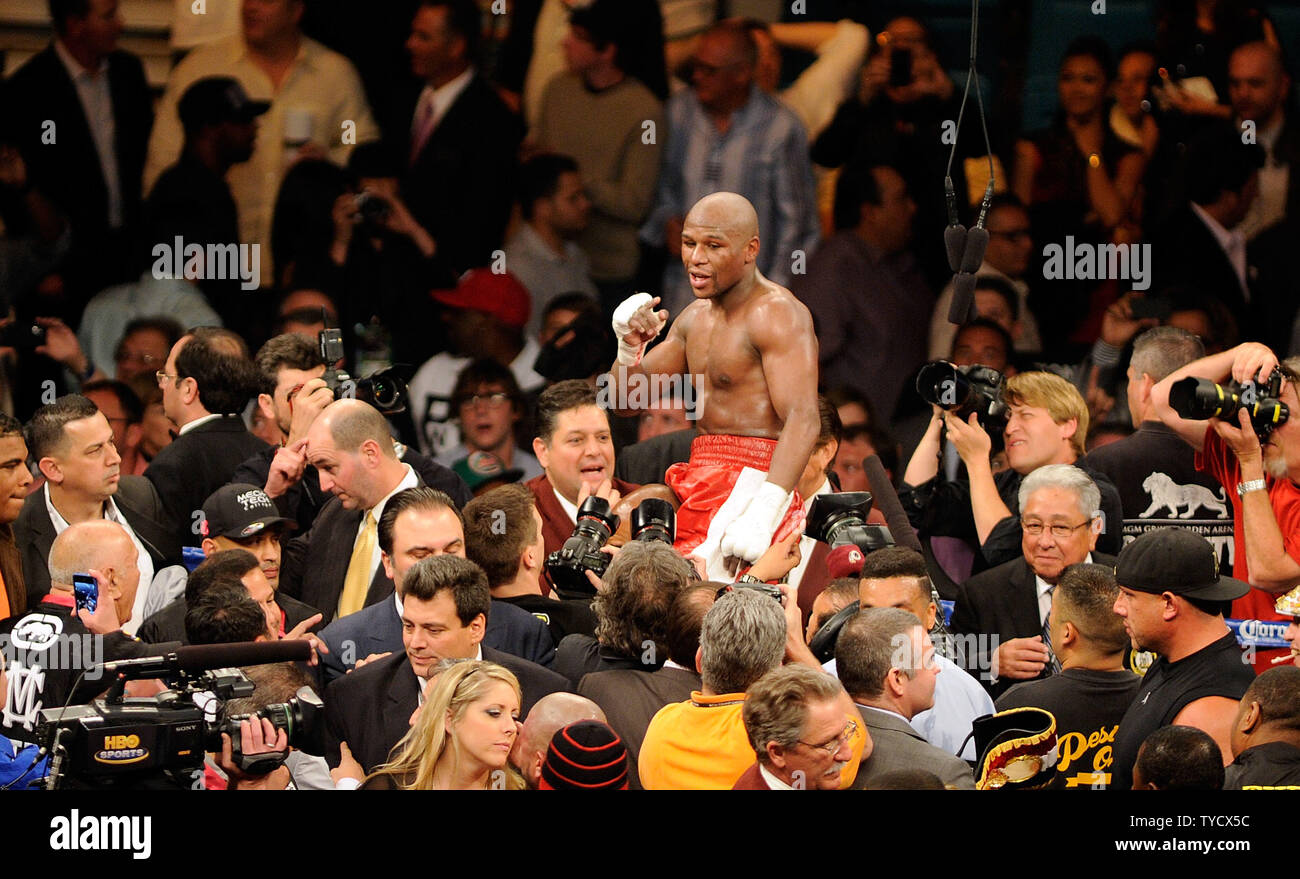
<point>500,295</point>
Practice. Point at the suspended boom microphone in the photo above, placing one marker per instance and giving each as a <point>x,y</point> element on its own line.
<point>201,657</point>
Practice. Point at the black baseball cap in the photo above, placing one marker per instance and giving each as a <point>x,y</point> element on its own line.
<point>1179,561</point>
<point>215,99</point>
<point>239,511</point>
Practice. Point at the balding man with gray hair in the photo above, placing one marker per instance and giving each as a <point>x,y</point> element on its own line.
<point>335,566</point>
<point>552,713</point>
<point>48,648</point>
<point>1154,470</point>
<point>1003,612</point>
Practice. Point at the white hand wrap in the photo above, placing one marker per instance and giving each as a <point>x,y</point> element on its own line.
<point>750,534</point>
<point>629,355</point>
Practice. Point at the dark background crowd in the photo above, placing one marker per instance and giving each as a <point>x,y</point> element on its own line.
<point>308,345</point>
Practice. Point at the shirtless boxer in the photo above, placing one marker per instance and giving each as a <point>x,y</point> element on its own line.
<point>750,344</point>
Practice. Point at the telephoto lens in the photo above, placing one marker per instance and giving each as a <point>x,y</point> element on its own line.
<point>654,519</point>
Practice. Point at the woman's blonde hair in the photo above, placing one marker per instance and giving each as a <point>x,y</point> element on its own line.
<point>427,742</point>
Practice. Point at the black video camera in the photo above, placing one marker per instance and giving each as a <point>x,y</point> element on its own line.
<point>569,564</point>
<point>963,390</point>
<point>383,389</point>
<point>841,520</point>
<point>1199,399</point>
<point>116,741</point>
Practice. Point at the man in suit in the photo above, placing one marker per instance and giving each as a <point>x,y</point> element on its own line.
<point>576,449</point>
<point>239,516</point>
<point>205,383</point>
<point>336,565</point>
<point>445,605</point>
<point>418,523</point>
<point>291,393</point>
<point>71,442</point>
<point>1201,248</point>
<point>1009,605</point>
<point>463,140</point>
<point>886,662</point>
<point>80,112</point>
<point>632,697</point>
<point>796,724</point>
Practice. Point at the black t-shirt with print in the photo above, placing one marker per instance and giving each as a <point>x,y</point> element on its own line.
<point>1088,706</point>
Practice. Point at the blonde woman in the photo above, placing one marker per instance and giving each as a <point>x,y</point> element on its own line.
<point>463,736</point>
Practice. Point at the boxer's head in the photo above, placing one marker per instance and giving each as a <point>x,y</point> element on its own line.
<point>573,441</point>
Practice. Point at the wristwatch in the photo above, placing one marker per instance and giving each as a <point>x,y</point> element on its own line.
<point>1253,485</point>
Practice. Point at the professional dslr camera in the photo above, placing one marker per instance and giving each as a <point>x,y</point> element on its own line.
<point>962,390</point>
<point>130,742</point>
<point>653,520</point>
<point>841,520</point>
<point>1199,399</point>
<point>383,389</point>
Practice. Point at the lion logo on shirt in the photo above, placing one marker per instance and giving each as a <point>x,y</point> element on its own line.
<point>1167,494</point>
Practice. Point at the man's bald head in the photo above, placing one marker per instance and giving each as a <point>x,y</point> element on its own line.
<point>94,544</point>
<point>349,423</point>
<point>551,714</point>
<point>728,212</point>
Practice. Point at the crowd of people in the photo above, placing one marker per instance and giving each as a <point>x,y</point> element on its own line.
<point>341,339</point>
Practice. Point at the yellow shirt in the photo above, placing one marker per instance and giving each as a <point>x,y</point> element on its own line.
<point>701,744</point>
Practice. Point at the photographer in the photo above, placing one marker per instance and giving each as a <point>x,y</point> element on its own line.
<point>274,683</point>
<point>1047,422</point>
<point>386,261</point>
<point>1266,514</point>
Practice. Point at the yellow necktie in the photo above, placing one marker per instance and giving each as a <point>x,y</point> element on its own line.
<point>360,568</point>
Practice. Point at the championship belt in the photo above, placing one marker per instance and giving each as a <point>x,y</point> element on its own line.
<point>1017,749</point>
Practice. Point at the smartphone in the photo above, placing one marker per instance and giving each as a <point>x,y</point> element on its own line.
<point>85,589</point>
<point>900,67</point>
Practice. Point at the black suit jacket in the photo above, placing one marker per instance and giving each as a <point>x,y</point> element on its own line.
<point>461,185</point>
<point>631,699</point>
<point>303,501</point>
<point>378,629</point>
<point>67,170</point>
<point>1184,253</point>
<point>140,505</point>
<point>1001,601</point>
<point>314,565</point>
<point>371,708</point>
<point>194,465</point>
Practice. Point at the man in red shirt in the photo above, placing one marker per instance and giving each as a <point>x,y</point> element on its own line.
<point>1265,476</point>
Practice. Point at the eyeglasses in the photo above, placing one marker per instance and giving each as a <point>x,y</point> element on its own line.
<point>850,729</point>
<point>163,376</point>
<point>1060,532</point>
<point>491,401</point>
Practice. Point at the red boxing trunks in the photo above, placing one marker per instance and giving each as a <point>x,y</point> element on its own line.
<point>715,486</point>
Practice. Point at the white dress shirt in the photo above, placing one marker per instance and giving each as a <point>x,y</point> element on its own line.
<point>410,480</point>
<point>1232,243</point>
<point>97,105</point>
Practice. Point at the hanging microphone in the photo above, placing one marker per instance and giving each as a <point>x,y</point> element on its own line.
<point>962,309</point>
<point>954,237</point>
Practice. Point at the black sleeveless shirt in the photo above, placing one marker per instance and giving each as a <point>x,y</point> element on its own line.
<point>1218,669</point>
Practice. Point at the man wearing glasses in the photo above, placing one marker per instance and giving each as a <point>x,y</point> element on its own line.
<point>489,403</point>
<point>885,660</point>
<point>1007,607</point>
